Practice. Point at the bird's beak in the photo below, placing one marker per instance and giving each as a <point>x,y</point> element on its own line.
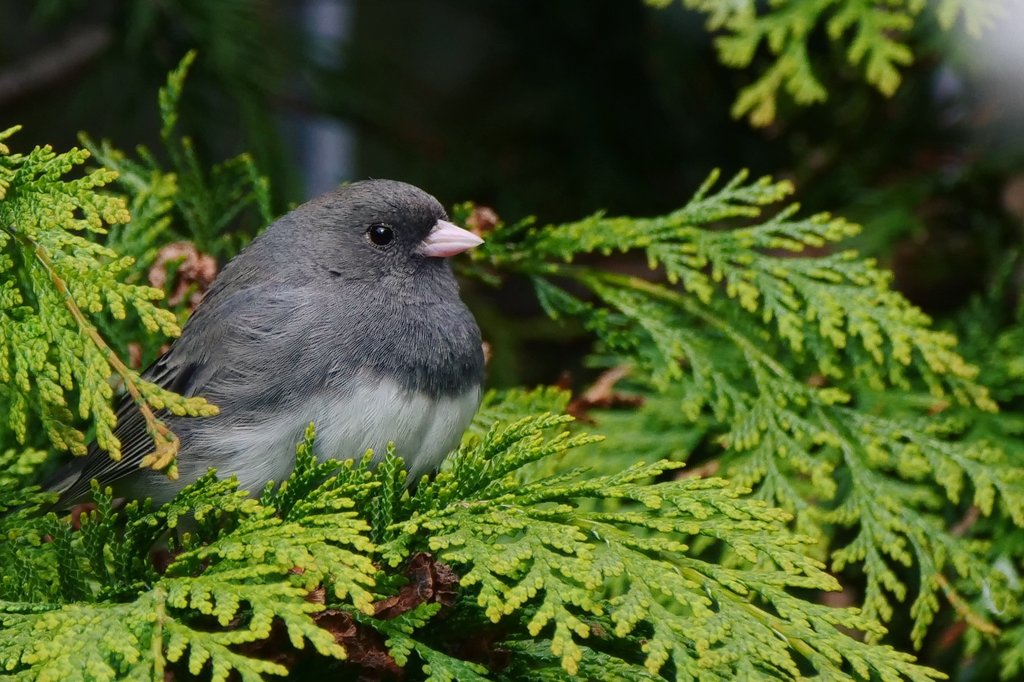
<point>448,239</point>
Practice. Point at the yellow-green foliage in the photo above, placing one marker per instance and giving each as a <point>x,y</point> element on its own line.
<point>188,202</point>
<point>54,281</point>
<point>874,32</point>
<point>575,568</point>
<point>849,434</point>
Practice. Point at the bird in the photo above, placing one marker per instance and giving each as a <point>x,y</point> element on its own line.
<point>344,313</point>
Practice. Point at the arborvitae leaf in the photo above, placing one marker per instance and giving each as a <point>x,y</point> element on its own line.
<point>559,551</point>
<point>55,282</point>
<point>595,570</point>
<point>765,348</point>
<point>535,548</point>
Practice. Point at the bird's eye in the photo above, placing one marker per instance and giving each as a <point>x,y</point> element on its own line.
<point>381,235</point>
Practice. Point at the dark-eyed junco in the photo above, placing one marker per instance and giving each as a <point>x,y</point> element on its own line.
<point>343,313</point>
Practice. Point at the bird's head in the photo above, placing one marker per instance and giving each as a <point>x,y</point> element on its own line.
<point>382,230</point>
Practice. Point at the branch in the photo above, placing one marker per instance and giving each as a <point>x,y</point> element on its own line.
<point>53,63</point>
<point>164,440</point>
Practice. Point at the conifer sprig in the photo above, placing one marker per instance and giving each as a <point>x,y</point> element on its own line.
<point>766,344</point>
<point>571,583</point>
<point>186,201</point>
<point>561,554</point>
<point>54,282</point>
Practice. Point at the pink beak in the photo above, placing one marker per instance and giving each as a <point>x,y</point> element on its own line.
<point>448,239</point>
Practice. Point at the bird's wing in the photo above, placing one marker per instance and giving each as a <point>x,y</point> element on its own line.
<point>226,335</point>
<point>73,480</point>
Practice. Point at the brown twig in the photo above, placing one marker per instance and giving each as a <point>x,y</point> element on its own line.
<point>164,441</point>
<point>964,610</point>
<point>602,395</point>
<point>966,523</point>
<point>709,468</point>
<point>196,272</point>
<point>52,63</point>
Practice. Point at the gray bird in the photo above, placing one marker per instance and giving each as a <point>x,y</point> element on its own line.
<point>344,313</point>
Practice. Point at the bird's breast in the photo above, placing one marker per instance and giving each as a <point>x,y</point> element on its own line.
<point>433,348</point>
<point>366,413</point>
<point>374,412</point>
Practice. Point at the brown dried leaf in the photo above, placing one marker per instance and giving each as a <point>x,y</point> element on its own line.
<point>195,268</point>
<point>709,468</point>
<point>80,510</point>
<point>564,381</point>
<point>429,581</point>
<point>135,355</point>
<point>317,596</point>
<point>1013,196</point>
<point>367,656</point>
<point>482,220</point>
<point>364,646</point>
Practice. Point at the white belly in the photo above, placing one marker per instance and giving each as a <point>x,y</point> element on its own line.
<point>422,429</point>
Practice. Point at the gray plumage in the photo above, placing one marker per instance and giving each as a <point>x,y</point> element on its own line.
<point>313,321</point>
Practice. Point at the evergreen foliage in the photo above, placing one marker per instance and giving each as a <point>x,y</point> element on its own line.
<point>572,585</point>
<point>54,282</point>
<point>187,202</point>
<point>848,432</point>
<point>767,351</point>
<point>873,33</point>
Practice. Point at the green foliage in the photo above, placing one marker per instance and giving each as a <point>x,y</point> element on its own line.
<point>766,350</point>
<point>624,566</point>
<point>572,586</point>
<point>176,211</point>
<point>996,343</point>
<point>533,541</point>
<point>54,281</point>
<point>872,31</point>
<point>248,55</point>
<point>247,578</point>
